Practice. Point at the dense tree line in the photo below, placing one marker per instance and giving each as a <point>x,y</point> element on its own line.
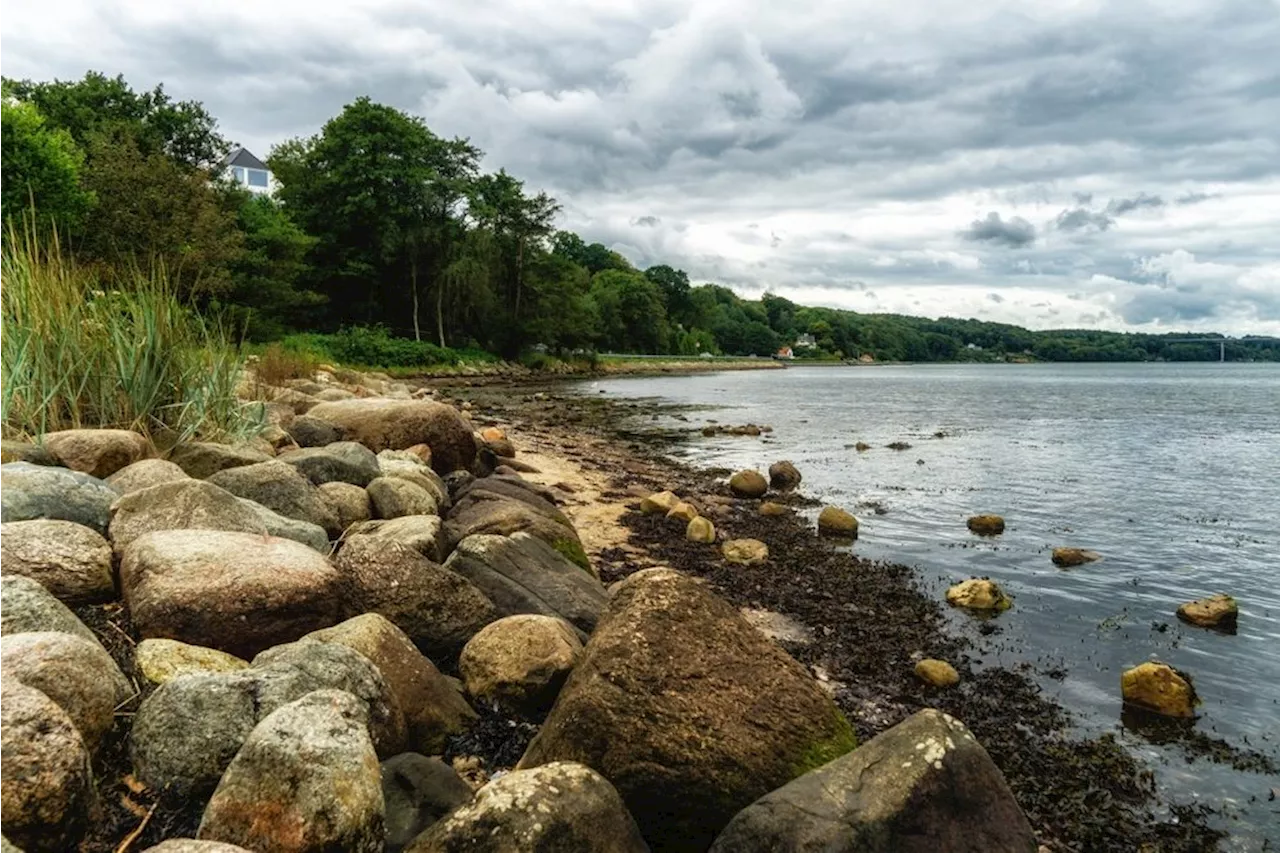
<point>377,221</point>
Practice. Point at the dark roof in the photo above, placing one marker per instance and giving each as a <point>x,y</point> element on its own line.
<point>242,157</point>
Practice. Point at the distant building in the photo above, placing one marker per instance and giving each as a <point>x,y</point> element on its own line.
<point>805,341</point>
<point>249,172</point>
<point>972,347</point>
<point>785,352</point>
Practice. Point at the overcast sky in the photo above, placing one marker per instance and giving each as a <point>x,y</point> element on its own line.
<point>1112,164</point>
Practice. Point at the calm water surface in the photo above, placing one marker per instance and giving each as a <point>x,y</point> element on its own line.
<point>1172,472</point>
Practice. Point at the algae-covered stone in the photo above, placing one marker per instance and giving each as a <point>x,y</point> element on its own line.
<point>557,808</point>
<point>924,786</point>
<point>1217,611</point>
<point>979,594</point>
<point>659,503</point>
<point>745,552</point>
<point>748,484</point>
<point>160,660</point>
<point>986,525</point>
<point>837,523</point>
<point>784,476</point>
<point>1066,558</point>
<point>1159,688</point>
<point>700,530</point>
<point>939,673</point>
<point>668,649</point>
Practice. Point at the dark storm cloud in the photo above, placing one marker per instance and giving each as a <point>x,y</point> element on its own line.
<point>1081,219</point>
<point>1121,206</point>
<point>813,150</point>
<point>1014,233</point>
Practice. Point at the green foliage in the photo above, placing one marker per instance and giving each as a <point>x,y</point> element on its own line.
<point>41,168</point>
<point>371,346</point>
<point>79,354</point>
<point>632,312</point>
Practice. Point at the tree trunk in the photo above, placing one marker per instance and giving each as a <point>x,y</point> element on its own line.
<point>440,309</point>
<point>412,267</point>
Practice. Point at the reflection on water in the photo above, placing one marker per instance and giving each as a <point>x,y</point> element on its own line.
<point>1171,472</point>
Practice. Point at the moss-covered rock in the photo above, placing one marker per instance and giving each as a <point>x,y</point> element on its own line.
<point>979,594</point>
<point>688,710</point>
<point>1159,688</point>
<point>837,523</point>
<point>1217,611</point>
<point>986,525</point>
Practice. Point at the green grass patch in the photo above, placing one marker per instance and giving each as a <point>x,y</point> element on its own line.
<point>373,347</point>
<point>77,352</point>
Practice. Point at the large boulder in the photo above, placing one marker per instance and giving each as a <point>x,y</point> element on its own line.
<point>144,474</point>
<point>72,561</point>
<point>432,704</point>
<point>560,807</point>
<point>520,662</point>
<point>700,530</point>
<point>659,503</point>
<point>491,506</point>
<point>237,592</point>
<point>180,505</point>
<point>159,661</point>
<point>924,786</point>
<point>36,491</point>
<point>201,459</point>
<point>739,717</point>
<point>97,452</point>
<point>281,488</point>
<point>309,664</point>
<point>393,497</point>
<point>383,424</point>
<point>409,466</point>
<point>349,503</point>
<point>438,609</point>
<point>784,476</point>
<point>25,605</point>
<point>47,786</point>
<point>421,533</point>
<point>310,431</point>
<point>306,780</point>
<point>340,462</point>
<point>523,574</point>
<point>418,791</point>
<point>1160,689</point>
<point>1217,611</point>
<point>837,523</point>
<point>311,535</point>
<point>25,451</point>
<point>75,673</point>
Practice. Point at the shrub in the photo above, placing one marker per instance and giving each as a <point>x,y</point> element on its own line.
<point>277,365</point>
<point>77,355</point>
<point>373,346</point>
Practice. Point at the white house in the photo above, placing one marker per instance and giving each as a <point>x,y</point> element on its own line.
<point>805,341</point>
<point>249,172</point>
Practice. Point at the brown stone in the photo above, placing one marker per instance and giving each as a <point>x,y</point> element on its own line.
<point>748,484</point>
<point>70,560</point>
<point>979,594</point>
<point>97,452</point>
<point>1217,611</point>
<point>939,673</point>
<point>837,523</point>
<point>385,424</point>
<point>520,662</point>
<point>986,525</point>
<point>1159,688</point>
<point>1068,557</point>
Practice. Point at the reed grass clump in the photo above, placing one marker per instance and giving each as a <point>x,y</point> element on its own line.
<point>133,355</point>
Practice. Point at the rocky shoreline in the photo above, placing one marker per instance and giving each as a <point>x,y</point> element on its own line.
<point>405,619</point>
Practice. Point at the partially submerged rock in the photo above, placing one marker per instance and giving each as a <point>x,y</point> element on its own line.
<point>924,786</point>
<point>1066,558</point>
<point>520,662</point>
<point>70,560</point>
<point>306,779</point>
<point>97,452</point>
<point>36,491</point>
<point>837,523</point>
<point>668,649</point>
<point>237,592</point>
<point>986,525</point>
<point>560,807</point>
<point>745,552</point>
<point>748,484</point>
<point>979,594</point>
<point>1159,688</point>
<point>1217,611</point>
<point>47,786</point>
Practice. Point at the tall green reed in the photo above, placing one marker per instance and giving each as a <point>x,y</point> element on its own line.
<point>76,352</point>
